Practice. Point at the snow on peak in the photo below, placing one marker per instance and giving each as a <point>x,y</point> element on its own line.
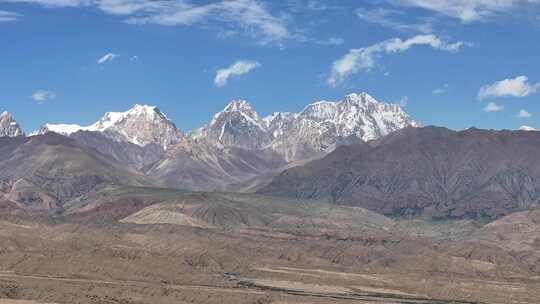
<point>138,111</point>
<point>238,105</point>
<point>149,111</point>
<point>142,108</point>
<point>64,129</point>
<point>357,114</point>
<point>237,125</point>
<point>527,128</point>
<point>321,123</point>
<point>278,116</point>
<point>359,97</point>
<point>140,125</point>
<point>235,107</point>
<point>8,126</point>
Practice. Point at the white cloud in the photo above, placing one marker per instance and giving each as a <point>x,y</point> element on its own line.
<point>331,41</point>
<point>134,58</point>
<point>404,101</point>
<point>55,3</point>
<point>41,96</point>
<point>320,5</point>
<point>251,16</point>
<point>240,67</point>
<point>524,114</point>
<point>441,90</point>
<point>390,18</point>
<point>493,107</point>
<point>107,58</point>
<point>6,16</point>
<point>465,10</point>
<point>365,59</point>
<point>513,87</point>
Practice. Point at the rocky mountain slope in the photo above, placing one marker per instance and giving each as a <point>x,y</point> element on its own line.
<point>426,171</point>
<point>9,126</point>
<point>46,171</point>
<point>237,149</point>
<point>203,166</point>
<point>317,130</point>
<point>237,125</point>
<point>140,125</point>
<point>128,154</point>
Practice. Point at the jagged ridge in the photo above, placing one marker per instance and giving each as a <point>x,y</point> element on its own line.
<point>9,126</point>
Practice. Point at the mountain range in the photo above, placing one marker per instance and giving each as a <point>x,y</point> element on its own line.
<point>428,171</point>
<point>239,125</point>
<point>347,201</point>
<point>356,151</point>
<point>141,125</point>
<point>237,149</point>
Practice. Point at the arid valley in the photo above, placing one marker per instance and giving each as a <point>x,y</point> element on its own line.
<point>269,152</point>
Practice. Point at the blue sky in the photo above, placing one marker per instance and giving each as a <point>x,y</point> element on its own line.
<point>454,63</point>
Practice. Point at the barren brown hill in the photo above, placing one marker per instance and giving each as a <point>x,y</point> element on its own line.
<point>425,171</point>
<point>148,245</point>
<point>43,172</point>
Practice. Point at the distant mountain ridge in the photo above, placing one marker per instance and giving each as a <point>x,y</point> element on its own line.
<point>239,125</point>
<point>9,126</point>
<point>428,171</point>
<point>45,172</point>
<point>296,136</point>
<point>237,149</point>
<point>356,151</point>
<point>141,125</point>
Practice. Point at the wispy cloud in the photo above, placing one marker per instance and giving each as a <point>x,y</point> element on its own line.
<point>492,107</point>
<point>322,5</point>
<point>441,90</point>
<point>6,16</point>
<point>512,87</point>
<point>390,18</point>
<point>524,114</point>
<point>107,58</point>
<point>331,41</point>
<point>404,101</point>
<point>252,17</point>
<point>465,10</point>
<point>365,59</point>
<point>41,96</point>
<point>240,67</point>
<point>55,3</point>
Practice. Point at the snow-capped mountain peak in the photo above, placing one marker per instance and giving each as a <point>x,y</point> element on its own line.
<point>243,108</point>
<point>323,124</point>
<point>239,105</point>
<point>359,98</point>
<point>141,112</point>
<point>318,128</point>
<point>278,117</point>
<point>526,128</point>
<point>64,129</point>
<point>237,125</point>
<point>141,125</point>
<point>9,126</point>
